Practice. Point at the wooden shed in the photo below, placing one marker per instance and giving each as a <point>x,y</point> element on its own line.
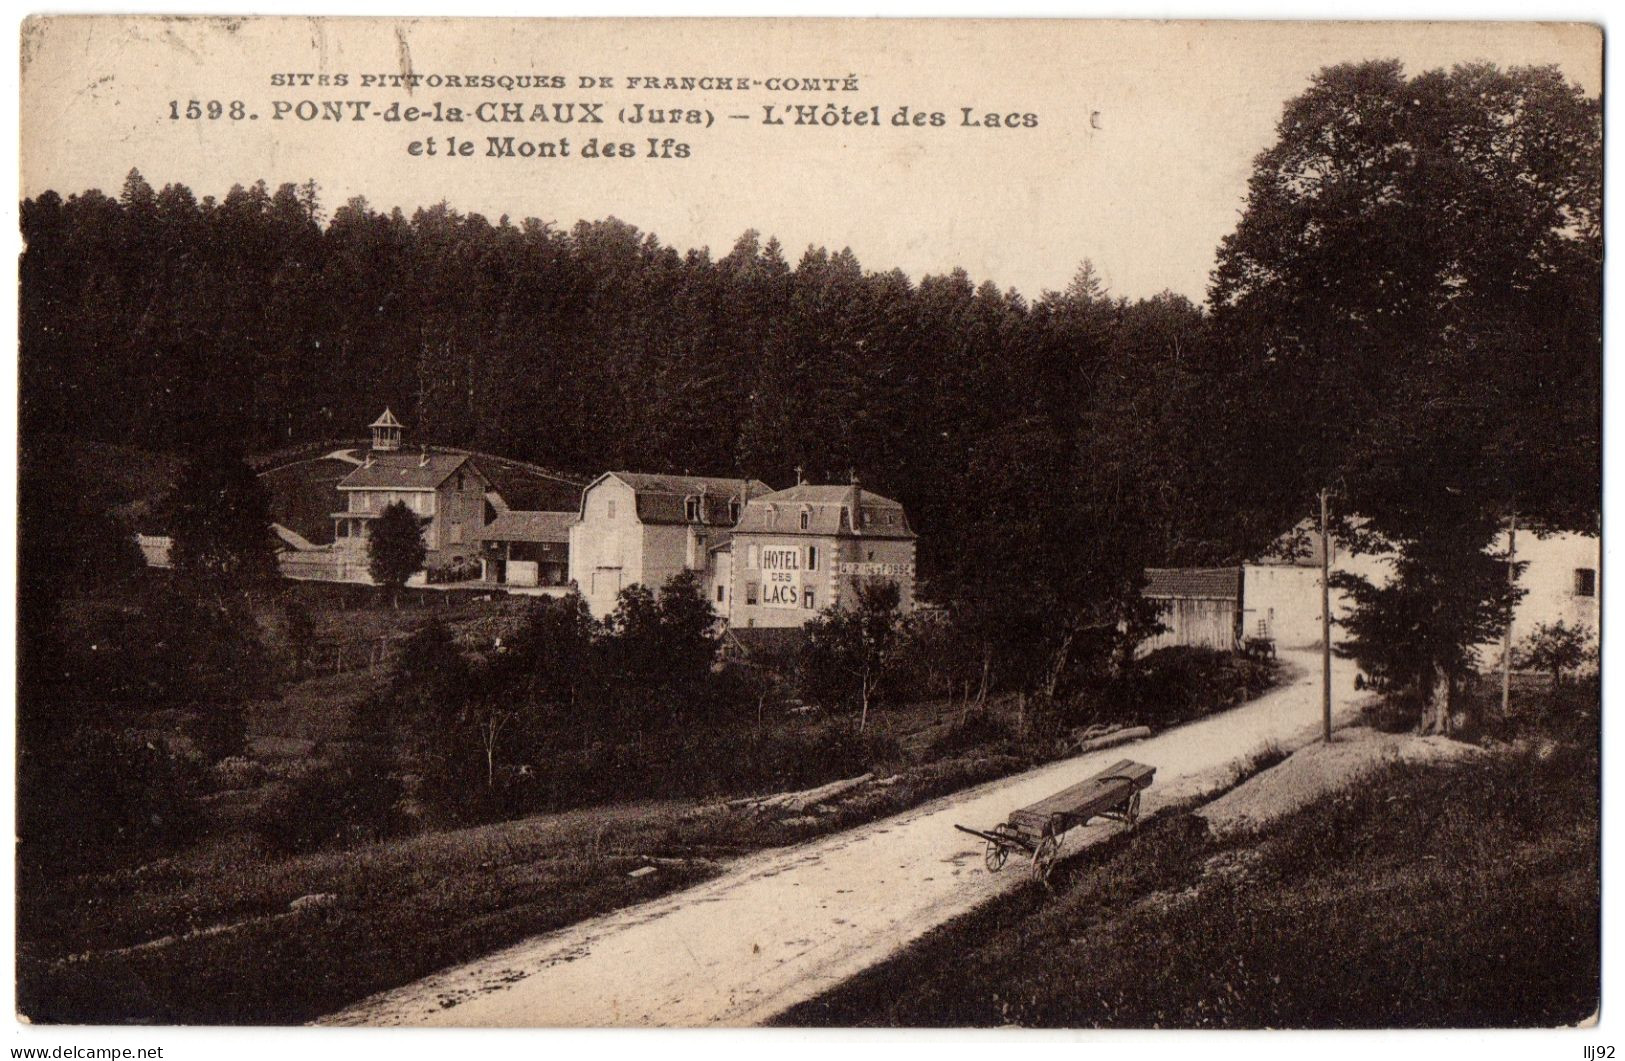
<point>1201,606</point>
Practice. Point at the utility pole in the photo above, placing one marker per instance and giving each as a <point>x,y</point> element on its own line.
<point>1506,640</point>
<point>1325,621</point>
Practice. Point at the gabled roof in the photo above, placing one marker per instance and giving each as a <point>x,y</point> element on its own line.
<point>387,420</point>
<point>1193,583</point>
<point>516,526</point>
<point>1301,546</point>
<point>661,498</point>
<point>404,471</point>
<point>780,513</point>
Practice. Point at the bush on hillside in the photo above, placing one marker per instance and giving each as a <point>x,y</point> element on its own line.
<point>353,800</point>
<point>1178,684</point>
<point>103,789</point>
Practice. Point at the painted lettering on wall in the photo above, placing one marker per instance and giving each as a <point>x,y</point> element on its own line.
<point>781,576</point>
<point>876,569</point>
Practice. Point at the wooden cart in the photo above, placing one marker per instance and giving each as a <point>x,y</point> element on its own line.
<point>1114,793</point>
<point>1258,647</point>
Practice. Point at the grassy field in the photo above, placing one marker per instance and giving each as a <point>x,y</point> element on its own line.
<point>1460,895</point>
<point>226,928</point>
<point>213,935</point>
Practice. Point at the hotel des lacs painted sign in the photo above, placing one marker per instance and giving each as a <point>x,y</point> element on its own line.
<point>782,567</point>
<point>781,576</point>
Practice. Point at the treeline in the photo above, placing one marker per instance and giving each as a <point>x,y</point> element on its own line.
<point>1408,315</point>
<point>1033,443</point>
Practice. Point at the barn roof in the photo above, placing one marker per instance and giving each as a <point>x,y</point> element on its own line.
<point>1193,583</point>
<point>515,526</point>
<point>661,498</point>
<point>404,471</point>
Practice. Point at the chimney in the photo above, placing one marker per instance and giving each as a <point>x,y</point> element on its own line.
<point>423,459</point>
<point>799,479</point>
<point>856,499</point>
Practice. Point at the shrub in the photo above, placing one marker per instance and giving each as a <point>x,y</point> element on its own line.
<point>700,762</point>
<point>352,801</point>
<point>104,788</point>
<point>1174,685</point>
<point>1394,713</point>
<point>1266,755</point>
<point>978,730</point>
<point>1045,720</point>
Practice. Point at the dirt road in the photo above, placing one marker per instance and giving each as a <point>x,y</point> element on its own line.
<point>783,925</point>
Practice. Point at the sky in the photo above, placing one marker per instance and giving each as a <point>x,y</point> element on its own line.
<point>1143,139</point>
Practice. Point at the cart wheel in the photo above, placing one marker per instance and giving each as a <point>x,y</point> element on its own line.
<point>995,856</point>
<point>1044,858</point>
<point>1132,814</point>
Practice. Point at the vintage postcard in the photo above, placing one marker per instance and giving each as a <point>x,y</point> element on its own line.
<point>839,523</point>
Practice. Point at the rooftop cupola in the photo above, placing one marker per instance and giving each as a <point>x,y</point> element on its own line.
<point>386,433</point>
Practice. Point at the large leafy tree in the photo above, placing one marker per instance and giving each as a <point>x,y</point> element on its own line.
<point>1409,314</point>
<point>1406,236</point>
<point>220,521</point>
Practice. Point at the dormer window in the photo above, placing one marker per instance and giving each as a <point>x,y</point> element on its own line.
<point>806,519</point>
<point>733,512</point>
<point>691,509</point>
<point>772,515</point>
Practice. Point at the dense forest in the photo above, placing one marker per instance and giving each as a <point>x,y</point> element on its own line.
<point>1408,314</point>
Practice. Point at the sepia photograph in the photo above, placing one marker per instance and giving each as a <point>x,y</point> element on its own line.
<point>808,523</point>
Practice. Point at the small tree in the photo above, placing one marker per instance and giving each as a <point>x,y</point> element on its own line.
<point>1419,632</point>
<point>395,551</point>
<point>1555,648</point>
<point>491,717</point>
<point>427,702</point>
<point>661,646</point>
<point>550,659</point>
<point>634,636</point>
<point>689,629</point>
<point>851,652</point>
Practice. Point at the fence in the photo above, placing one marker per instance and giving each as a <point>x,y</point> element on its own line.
<point>325,565</point>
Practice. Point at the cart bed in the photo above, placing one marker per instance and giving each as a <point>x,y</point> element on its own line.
<point>1105,790</point>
